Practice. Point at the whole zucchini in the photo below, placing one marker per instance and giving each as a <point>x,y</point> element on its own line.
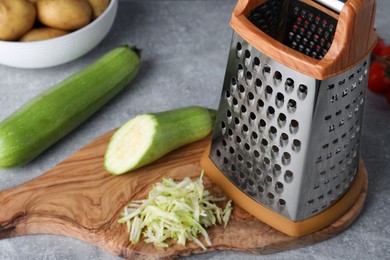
<point>57,111</point>
<point>147,137</point>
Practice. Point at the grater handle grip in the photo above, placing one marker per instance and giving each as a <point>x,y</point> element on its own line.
<point>354,39</point>
<point>335,5</point>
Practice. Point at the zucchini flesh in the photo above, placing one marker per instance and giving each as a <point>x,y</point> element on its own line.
<point>48,117</point>
<point>148,137</point>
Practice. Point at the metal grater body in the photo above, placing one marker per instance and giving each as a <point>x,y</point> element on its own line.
<point>289,141</point>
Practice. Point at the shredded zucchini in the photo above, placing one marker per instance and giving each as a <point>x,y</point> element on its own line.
<point>175,210</point>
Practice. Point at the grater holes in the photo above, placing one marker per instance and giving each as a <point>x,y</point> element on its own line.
<point>231,150</point>
<point>274,151</point>
<point>270,197</point>
<point>249,165</point>
<point>241,91</point>
<point>235,102</point>
<point>296,145</point>
<point>282,120</point>
<point>252,119</point>
<point>245,129</point>
<point>230,132</point>
<point>272,132</point>
<point>224,143</point>
<point>241,175</point>
<point>240,158</point>
<point>268,179</point>
<point>266,163</point>
<point>291,106</point>
<point>239,49</point>
<point>277,77</point>
<point>243,110</point>
<point>227,94</point>
<point>281,203</point>
<point>277,169</point>
<point>238,139</point>
<point>289,86</point>
<point>258,85</point>
<point>260,189</point>
<point>251,98</point>
<point>270,112</point>
<point>247,147</point>
<point>241,88</point>
<point>258,173</point>
<point>236,121</point>
<point>288,176</point>
<point>255,137</point>
<point>233,85</point>
<point>344,93</point>
<point>247,55</point>
<point>353,86</point>
<point>268,92</point>
<point>229,116</point>
<point>249,77</point>
<point>264,145</point>
<point>218,153</point>
<point>279,187</point>
<point>294,126</point>
<point>283,139</point>
<point>334,98</point>
<point>256,154</point>
<point>260,105</point>
<point>256,64</point>
<point>262,125</point>
<point>286,158</point>
<point>302,91</point>
<point>240,71</point>
<point>225,160</point>
<point>279,100</point>
<point>223,127</point>
<point>266,70</point>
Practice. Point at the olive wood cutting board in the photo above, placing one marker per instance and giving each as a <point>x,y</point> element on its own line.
<point>78,198</point>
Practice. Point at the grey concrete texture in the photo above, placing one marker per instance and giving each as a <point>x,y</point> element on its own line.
<point>184,53</point>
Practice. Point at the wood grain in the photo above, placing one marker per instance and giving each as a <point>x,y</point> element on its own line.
<point>78,198</point>
<point>354,39</point>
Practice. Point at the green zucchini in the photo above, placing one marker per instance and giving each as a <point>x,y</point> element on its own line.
<point>48,117</point>
<point>147,137</point>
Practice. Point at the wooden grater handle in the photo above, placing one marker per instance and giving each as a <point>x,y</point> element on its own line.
<point>354,38</point>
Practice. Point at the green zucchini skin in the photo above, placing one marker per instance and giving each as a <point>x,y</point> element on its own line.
<point>176,128</point>
<point>173,129</point>
<point>50,116</point>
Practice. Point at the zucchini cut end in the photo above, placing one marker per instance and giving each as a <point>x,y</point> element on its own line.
<point>129,145</point>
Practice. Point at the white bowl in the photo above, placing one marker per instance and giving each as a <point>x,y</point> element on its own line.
<point>56,51</point>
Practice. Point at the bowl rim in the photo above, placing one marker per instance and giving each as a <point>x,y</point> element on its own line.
<point>110,6</point>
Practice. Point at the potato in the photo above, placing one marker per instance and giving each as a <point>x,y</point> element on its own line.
<point>98,6</point>
<point>64,14</point>
<point>39,34</point>
<point>16,18</point>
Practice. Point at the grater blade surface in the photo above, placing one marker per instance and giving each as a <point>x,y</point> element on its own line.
<point>287,140</point>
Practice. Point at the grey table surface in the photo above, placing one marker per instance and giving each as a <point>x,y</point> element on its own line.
<point>185,46</point>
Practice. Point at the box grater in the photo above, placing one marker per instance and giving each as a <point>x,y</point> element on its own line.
<point>286,140</point>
